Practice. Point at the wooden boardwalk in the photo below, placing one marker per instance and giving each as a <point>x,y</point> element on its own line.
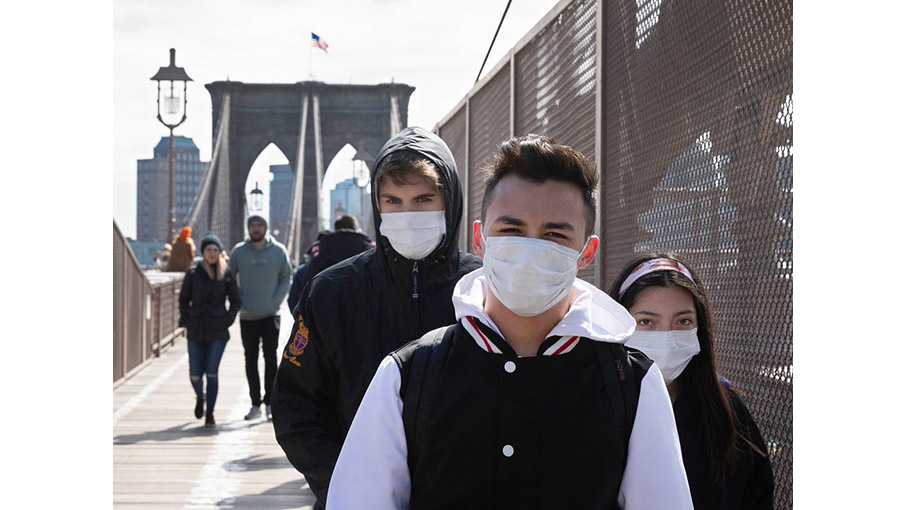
<point>165,458</point>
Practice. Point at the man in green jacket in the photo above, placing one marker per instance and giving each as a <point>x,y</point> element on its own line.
<point>263,272</point>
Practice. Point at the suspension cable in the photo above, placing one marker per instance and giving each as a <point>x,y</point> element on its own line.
<point>492,42</point>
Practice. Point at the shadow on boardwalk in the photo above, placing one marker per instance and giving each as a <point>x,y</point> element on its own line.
<point>164,458</point>
<point>271,498</point>
<point>178,432</point>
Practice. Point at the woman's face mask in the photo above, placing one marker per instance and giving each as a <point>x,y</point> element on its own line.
<point>670,350</point>
<point>666,328</point>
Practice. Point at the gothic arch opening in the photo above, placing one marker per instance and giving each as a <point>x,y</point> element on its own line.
<point>343,191</point>
<point>267,174</point>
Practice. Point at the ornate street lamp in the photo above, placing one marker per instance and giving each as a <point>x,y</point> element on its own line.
<point>172,108</point>
<point>360,176</point>
<point>362,160</point>
<point>255,198</point>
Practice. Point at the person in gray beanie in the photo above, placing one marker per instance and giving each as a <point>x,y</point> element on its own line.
<point>262,267</point>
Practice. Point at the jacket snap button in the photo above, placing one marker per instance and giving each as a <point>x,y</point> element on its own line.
<point>510,367</point>
<point>508,450</point>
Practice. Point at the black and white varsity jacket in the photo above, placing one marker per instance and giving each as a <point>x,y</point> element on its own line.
<point>515,432</point>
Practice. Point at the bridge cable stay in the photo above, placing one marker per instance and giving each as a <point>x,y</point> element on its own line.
<point>219,221</point>
<point>319,159</point>
<point>293,236</point>
<point>395,115</point>
<point>492,41</point>
<point>202,195</point>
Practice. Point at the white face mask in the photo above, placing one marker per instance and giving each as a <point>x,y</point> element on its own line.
<point>528,275</point>
<point>670,350</point>
<point>414,234</point>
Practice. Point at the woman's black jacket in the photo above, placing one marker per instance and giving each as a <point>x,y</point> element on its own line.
<point>202,304</point>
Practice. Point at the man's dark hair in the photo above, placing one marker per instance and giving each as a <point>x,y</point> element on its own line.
<point>404,167</point>
<point>537,159</point>
<point>346,222</point>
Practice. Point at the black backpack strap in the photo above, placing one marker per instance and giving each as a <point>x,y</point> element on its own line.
<point>420,364</point>
<point>622,371</point>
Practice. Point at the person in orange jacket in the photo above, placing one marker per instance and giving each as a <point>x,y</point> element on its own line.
<point>182,253</point>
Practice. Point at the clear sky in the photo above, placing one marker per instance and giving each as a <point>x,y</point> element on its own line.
<point>435,46</point>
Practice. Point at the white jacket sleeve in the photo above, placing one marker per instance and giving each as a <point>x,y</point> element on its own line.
<point>372,470</point>
<point>654,476</point>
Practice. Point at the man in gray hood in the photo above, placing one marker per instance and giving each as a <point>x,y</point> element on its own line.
<point>351,315</point>
<point>263,271</point>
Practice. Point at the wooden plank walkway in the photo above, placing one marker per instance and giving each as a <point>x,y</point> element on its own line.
<point>165,458</point>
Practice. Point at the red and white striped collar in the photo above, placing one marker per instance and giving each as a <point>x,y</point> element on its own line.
<point>593,315</point>
<point>563,345</point>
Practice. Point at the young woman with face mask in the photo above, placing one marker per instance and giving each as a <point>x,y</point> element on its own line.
<point>723,452</point>
<point>206,289</point>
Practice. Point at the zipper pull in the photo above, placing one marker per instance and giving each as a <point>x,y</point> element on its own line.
<point>415,280</point>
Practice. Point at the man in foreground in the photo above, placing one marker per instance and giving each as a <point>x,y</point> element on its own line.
<point>531,400</point>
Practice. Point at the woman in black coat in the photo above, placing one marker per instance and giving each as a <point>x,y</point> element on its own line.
<point>724,455</point>
<point>206,287</point>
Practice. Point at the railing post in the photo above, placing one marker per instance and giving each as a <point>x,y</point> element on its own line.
<point>512,93</point>
<point>600,142</point>
<point>123,320</point>
<point>467,182</point>
<point>156,321</point>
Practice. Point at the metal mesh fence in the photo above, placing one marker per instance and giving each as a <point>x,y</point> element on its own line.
<point>555,76</point>
<point>454,134</point>
<point>489,125</point>
<point>697,138</point>
<point>698,134</point>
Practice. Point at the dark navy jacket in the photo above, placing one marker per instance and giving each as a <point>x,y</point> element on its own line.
<point>203,308</point>
<point>751,484</point>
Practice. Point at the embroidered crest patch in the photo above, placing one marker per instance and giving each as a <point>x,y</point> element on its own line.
<point>300,340</point>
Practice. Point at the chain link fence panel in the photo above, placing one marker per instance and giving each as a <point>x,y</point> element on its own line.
<point>697,137</point>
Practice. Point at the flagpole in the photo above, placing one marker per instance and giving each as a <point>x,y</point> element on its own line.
<point>311,74</point>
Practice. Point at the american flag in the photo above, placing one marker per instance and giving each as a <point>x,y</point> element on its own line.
<point>319,42</point>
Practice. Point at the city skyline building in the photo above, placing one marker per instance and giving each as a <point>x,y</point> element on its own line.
<point>348,198</point>
<point>281,194</point>
<point>153,188</point>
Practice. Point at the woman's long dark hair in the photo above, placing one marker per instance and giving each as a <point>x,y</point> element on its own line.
<point>700,375</point>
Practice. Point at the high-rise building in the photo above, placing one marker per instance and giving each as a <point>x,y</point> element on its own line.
<point>352,200</point>
<point>281,194</point>
<point>153,189</point>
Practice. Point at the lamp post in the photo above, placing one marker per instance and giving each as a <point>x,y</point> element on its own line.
<point>255,198</point>
<point>360,176</point>
<point>361,163</point>
<point>173,109</point>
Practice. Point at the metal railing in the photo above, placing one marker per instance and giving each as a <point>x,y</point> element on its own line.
<point>145,310</point>
<point>686,109</point>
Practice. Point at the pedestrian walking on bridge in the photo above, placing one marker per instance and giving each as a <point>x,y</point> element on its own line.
<point>352,314</point>
<point>262,267</point>
<point>182,253</point>
<point>206,287</point>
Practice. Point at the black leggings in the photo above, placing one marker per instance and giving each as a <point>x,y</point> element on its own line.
<point>266,330</point>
